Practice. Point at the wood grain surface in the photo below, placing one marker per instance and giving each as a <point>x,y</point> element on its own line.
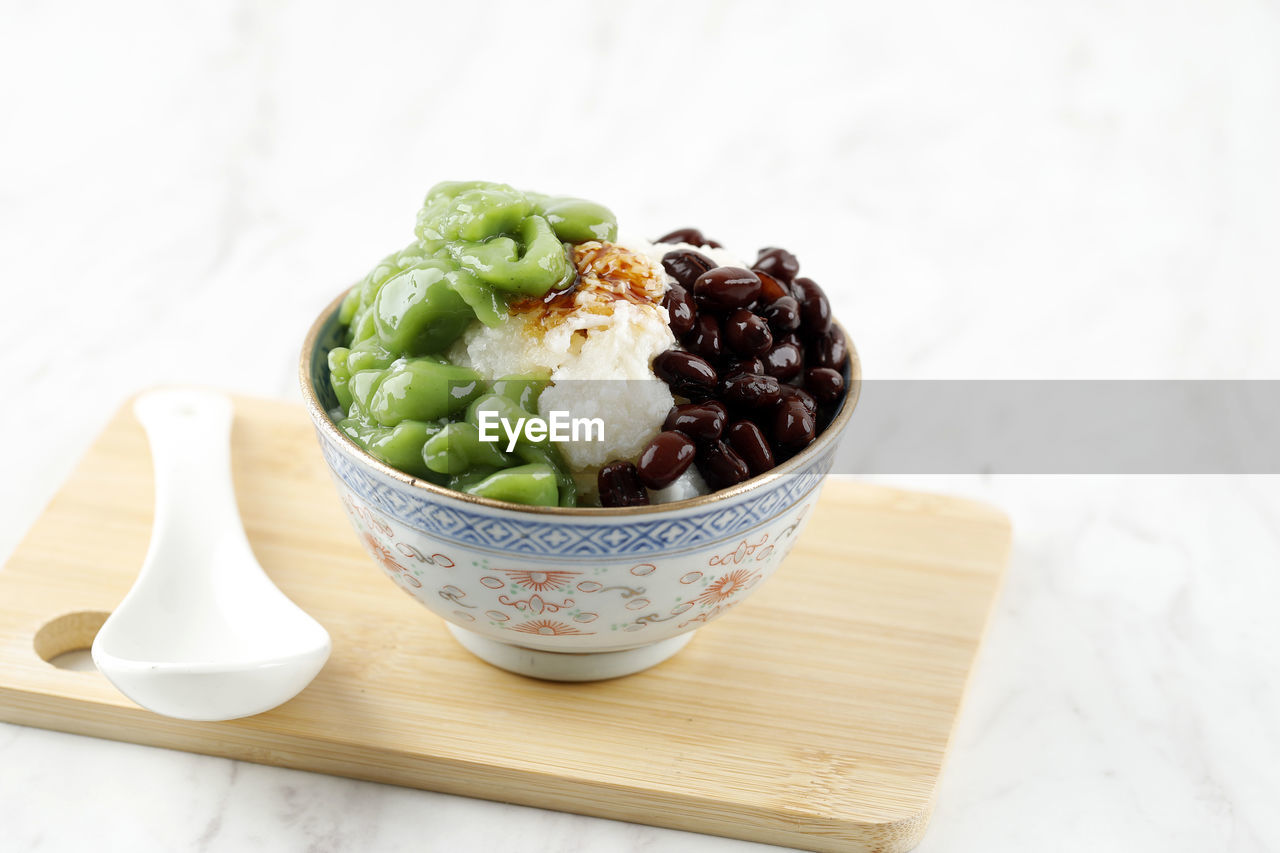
<point>817,714</point>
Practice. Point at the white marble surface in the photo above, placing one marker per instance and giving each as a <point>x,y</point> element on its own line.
<point>989,189</point>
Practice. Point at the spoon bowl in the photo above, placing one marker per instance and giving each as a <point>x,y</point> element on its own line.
<point>203,634</point>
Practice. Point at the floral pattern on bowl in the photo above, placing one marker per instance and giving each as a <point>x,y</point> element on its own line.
<point>603,597</point>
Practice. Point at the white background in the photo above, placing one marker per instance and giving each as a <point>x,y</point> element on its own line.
<point>987,190</point>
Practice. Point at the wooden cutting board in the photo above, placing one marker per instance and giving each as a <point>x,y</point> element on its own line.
<point>815,715</point>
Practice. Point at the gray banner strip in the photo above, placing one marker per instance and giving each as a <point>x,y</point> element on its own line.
<point>1064,427</point>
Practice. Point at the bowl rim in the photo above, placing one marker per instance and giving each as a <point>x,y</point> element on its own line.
<point>320,418</point>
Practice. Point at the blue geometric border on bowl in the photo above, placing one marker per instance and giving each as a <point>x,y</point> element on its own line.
<point>565,537</point>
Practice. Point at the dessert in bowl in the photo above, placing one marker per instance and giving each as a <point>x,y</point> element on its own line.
<point>711,397</point>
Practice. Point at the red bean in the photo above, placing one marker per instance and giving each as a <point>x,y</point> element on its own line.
<point>704,338</point>
<point>692,236</point>
<point>783,314</point>
<point>771,289</point>
<point>824,383</point>
<point>749,442</point>
<point>815,310</point>
<point>685,265</point>
<point>746,334</point>
<point>687,374</point>
<point>619,485</point>
<point>680,311</point>
<point>778,262</point>
<point>726,288</point>
<point>720,466</point>
<point>750,391</point>
<point>793,425</point>
<point>665,458</point>
<point>698,420</point>
<point>785,360</point>
<point>830,350</point>
<point>790,391</point>
<point>744,365</point>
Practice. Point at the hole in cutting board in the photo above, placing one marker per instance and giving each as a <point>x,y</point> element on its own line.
<point>66,640</point>
<point>77,660</point>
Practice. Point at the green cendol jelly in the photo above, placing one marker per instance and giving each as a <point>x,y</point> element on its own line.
<point>478,244</point>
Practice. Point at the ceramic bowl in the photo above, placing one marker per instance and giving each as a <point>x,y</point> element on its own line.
<point>568,594</point>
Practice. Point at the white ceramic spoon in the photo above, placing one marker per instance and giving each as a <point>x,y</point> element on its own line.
<point>203,634</point>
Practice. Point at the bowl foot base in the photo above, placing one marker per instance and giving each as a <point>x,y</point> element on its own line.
<point>567,666</point>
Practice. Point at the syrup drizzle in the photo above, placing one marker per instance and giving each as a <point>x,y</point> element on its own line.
<point>606,274</point>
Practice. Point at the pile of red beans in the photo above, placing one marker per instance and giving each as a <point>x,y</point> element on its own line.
<point>762,368</point>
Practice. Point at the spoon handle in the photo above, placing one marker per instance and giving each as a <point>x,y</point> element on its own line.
<point>190,435</point>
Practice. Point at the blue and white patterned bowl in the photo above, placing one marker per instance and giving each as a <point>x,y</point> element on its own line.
<point>617,589</point>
